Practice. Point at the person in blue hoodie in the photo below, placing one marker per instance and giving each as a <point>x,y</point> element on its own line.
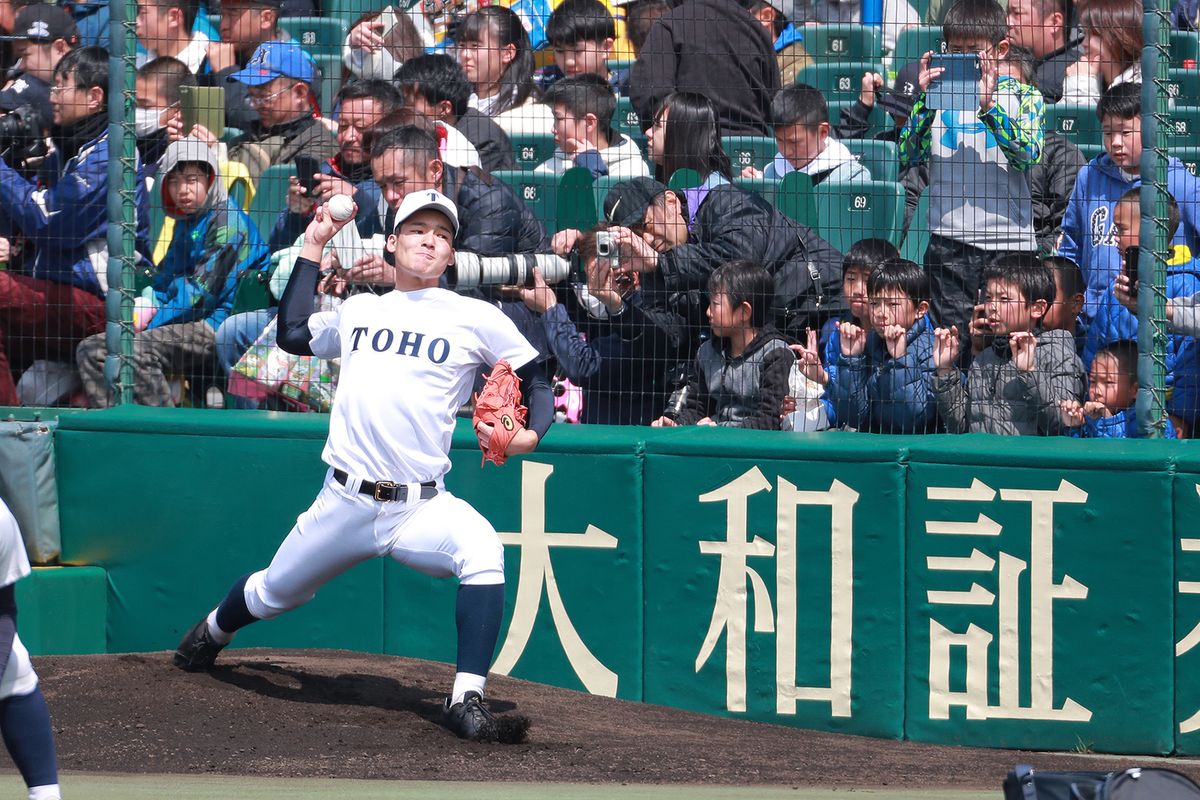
<point>1114,322</point>
<point>63,214</point>
<point>884,377</point>
<point>1110,412</point>
<point>1088,236</point>
<point>214,243</point>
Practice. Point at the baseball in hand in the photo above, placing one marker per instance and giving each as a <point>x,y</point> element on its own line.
<point>340,207</point>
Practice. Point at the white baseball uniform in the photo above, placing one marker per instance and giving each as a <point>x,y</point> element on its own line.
<point>19,677</point>
<point>408,363</point>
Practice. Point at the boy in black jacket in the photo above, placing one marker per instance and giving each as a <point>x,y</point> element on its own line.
<point>741,374</point>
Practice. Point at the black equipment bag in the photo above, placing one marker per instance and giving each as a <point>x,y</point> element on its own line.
<point>1023,783</point>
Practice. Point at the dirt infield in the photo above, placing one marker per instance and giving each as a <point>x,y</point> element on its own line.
<point>293,713</point>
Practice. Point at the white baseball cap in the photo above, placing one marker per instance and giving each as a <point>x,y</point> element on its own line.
<point>426,199</point>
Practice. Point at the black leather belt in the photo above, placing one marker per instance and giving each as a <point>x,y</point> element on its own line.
<point>387,491</point>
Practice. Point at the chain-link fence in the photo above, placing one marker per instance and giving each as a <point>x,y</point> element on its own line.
<point>897,216</point>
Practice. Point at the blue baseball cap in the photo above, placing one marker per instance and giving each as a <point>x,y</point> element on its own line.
<point>276,60</point>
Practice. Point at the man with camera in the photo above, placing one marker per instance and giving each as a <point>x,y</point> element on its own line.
<point>42,35</point>
<point>64,214</point>
<point>495,222</point>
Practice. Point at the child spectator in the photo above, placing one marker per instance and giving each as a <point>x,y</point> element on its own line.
<point>1017,385</point>
<point>582,34</point>
<point>583,136</point>
<point>157,87</point>
<point>213,244</point>
<point>1114,322</point>
<point>164,28</point>
<point>884,379</point>
<point>801,119</point>
<point>1063,313</point>
<point>1088,237</point>
<point>741,373</point>
<point>435,87</point>
<point>496,56</point>
<point>980,205</point>
<point>818,360</point>
<point>1110,411</point>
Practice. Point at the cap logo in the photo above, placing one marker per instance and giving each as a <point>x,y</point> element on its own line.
<point>433,196</point>
<point>612,213</point>
<point>908,88</point>
<point>38,28</point>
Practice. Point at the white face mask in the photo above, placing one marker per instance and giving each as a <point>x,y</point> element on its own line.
<point>146,121</point>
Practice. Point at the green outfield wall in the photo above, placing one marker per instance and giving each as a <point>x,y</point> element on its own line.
<point>1033,593</point>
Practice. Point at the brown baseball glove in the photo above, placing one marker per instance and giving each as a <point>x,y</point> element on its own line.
<point>499,405</point>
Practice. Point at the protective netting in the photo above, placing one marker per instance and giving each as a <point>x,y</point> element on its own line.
<point>888,216</point>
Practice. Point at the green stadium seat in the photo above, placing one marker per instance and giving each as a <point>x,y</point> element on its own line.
<point>1183,86</point>
<point>878,156</point>
<point>794,197</point>
<point>270,197</point>
<point>840,82</point>
<point>600,187</point>
<point>531,149</point>
<point>252,293</point>
<point>912,43</point>
<point>1078,123</point>
<point>843,40</point>
<point>331,80</point>
<point>320,36</point>
<point>916,239</point>
<point>684,179</point>
<point>849,212</point>
<point>618,64</point>
<point>576,206</point>
<point>346,11</point>
<point>538,190</point>
<point>625,120</point>
<point>1185,46</point>
<point>1090,151</point>
<point>1183,130</point>
<point>749,151</point>
<point>1190,156</point>
<point>762,187</point>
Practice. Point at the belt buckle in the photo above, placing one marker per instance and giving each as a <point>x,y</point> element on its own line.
<point>381,485</point>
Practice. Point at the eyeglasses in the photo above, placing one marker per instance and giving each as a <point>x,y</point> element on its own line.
<point>255,101</point>
<point>60,89</point>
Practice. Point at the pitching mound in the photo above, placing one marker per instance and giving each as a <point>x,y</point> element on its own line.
<point>305,713</point>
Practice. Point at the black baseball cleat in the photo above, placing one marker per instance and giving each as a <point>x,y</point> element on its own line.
<point>469,719</point>
<point>197,652</point>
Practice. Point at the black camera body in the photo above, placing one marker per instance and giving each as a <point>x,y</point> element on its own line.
<point>21,136</point>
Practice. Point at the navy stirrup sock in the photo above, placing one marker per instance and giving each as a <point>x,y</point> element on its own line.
<point>233,614</point>
<point>25,724</point>
<point>478,614</point>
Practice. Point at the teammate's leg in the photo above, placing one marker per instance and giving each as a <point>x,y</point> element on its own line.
<point>25,726</point>
<point>334,534</point>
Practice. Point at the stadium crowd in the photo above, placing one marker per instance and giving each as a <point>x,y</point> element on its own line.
<point>747,213</point>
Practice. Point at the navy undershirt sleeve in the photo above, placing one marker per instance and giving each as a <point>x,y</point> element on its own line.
<point>296,306</point>
<point>539,398</point>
